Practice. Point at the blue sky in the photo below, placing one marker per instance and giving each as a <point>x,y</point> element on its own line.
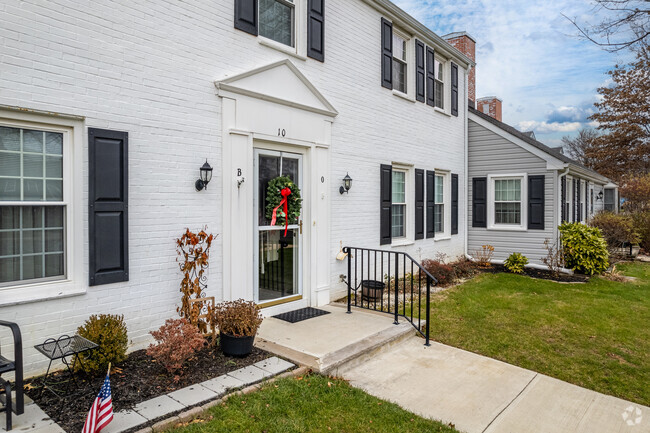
<point>528,55</point>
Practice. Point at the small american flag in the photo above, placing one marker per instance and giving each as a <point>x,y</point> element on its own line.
<point>101,412</point>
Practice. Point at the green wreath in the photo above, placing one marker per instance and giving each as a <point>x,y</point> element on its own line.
<point>274,197</point>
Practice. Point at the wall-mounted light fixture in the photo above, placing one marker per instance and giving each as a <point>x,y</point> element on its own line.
<point>347,184</point>
<point>205,177</point>
<point>599,196</point>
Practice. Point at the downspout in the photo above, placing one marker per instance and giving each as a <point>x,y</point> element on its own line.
<point>466,201</point>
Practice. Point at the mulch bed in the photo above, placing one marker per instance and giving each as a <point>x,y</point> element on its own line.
<point>541,274</point>
<point>137,379</point>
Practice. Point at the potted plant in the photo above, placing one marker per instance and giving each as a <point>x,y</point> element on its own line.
<point>238,322</point>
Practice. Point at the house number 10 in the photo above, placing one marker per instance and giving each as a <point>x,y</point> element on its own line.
<point>281,132</point>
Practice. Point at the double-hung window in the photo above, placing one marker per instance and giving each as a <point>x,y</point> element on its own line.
<point>507,202</point>
<point>400,73</point>
<point>439,206</point>
<point>32,206</point>
<point>439,90</point>
<point>398,207</point>
<point>277,21</point>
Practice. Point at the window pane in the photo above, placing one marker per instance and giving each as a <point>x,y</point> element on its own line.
<point>440,187</point>
<point>54,167</point>
<point>54,190</point>
<point>32,165</point>
<point>54,143</point>
<point>9,189</point>
<point>397,223</point>
<point>439,94</point>
<point>399,187</point>
<point>439,218</point>
<point>9,138</point>
<point>276,21</point>
<point>28,250</point>
<point>507,213</point>
<point>9,164</point>
<point>399,76</point>
<point>438,70</point>
<point>33,141</point>
<point>399,47</point>
<point>33,189</point>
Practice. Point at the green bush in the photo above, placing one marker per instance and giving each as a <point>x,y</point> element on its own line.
<point>617,229</point>
<point>515,263</point>
<point>641,222</point>
<point>585,249</point>
<point>109,332</point>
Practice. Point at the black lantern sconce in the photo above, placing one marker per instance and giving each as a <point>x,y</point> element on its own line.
<point>347,184</point>
<point>206,177</point>
<point>599,196</point>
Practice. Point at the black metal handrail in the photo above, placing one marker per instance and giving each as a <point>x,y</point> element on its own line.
<point>365,265</point>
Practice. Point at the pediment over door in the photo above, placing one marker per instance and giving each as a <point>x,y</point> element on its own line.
<point>280,82</point>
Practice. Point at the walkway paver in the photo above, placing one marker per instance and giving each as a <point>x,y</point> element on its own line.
<point>33,420</point>
<point>482,395</point>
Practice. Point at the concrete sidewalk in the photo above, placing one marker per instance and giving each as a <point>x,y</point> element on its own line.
<point>479,394</point>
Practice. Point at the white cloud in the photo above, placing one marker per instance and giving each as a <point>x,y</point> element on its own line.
<point>546,127</point>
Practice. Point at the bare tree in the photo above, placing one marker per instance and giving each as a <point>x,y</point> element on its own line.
<point>627,24</point>
<point>580,147</point>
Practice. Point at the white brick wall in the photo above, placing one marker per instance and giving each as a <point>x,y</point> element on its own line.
<point>148,68</point>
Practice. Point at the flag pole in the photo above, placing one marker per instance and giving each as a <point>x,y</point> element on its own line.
<point>109,369</point>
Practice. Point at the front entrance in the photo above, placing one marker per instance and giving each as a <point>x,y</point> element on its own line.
<point>278,258</point>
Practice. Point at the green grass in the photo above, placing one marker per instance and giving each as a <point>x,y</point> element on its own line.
<point>595,335</point>
<point>310,404</point>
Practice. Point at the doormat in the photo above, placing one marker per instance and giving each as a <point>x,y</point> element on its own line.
<point>301,314</point>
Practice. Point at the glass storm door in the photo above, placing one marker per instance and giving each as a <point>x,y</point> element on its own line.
<point>278,258</point>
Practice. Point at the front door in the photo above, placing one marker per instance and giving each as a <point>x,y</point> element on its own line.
<point>278,258</point>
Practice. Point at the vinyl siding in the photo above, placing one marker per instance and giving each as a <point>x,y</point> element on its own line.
<point>491,154</point>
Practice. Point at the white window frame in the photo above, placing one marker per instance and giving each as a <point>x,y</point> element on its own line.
<point>523,226</point>
<point>299,50</point>
<point>72,128</point>
<point>409,227</point>
<point>445,79</point>
<point>569,199</point>
<point>446,191</point>
<point>410,62</point>
<point>405,204</point>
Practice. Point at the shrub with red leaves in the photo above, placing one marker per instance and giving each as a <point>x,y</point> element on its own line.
<point>443,273</point>
<point>177,340</point>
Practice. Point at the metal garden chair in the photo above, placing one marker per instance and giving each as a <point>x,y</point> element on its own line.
<point>16,366</point>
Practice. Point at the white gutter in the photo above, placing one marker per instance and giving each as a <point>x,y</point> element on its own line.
<point>466,196</point>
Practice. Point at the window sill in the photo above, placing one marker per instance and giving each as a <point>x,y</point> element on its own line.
<point>508,228</point>
<point>39,292</point>
<point>402,243</point>
<point>280,47</point>
<point>441,111</point>
<point>442,238</point>
<point>403,96</point>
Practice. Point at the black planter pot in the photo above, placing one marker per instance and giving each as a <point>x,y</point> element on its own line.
<point>236,346</point>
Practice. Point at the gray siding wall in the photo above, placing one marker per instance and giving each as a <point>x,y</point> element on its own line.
<point>490,154</point>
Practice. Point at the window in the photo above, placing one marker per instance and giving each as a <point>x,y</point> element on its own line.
<point>439,97</point>
<point>398,208</point>
<point>507,201</point>
<point>569,200</point>
<point>32,207</point>
<point>399,63</point>
<point>610,200</point>
<point>439,207</point>
<point>276,20</point>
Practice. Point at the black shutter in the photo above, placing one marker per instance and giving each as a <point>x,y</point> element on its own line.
<point>430,77</point>
<point>454,204</point>
<point>536,202</point>
<point>386,198</point>
<point>108,206</point>
<point>431,203</point>
<point>246,16</point>
<point>454,89</point>
<point>386,53</point>
<point>419,204</point>
<point>479,202</point>
<point>419,71</point>
<point>563,200</point>
<point>316,30</point>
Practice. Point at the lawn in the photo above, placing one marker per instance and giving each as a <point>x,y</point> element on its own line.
<point>310,404</point>
<point>595,334</point>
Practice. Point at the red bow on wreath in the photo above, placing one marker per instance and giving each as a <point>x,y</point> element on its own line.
<point>285,194</point>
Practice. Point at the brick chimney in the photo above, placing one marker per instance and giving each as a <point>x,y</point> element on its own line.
<point>466,44</point>
<point>490,105</point>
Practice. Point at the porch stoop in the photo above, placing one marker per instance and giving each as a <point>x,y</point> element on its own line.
<point>331,343</point>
